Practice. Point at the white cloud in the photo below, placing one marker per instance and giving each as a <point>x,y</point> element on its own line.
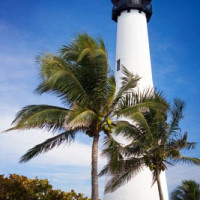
<point>66,167</point>
<point>15,144</point>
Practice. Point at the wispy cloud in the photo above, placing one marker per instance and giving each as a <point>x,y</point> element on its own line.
<point>67,167</point>
<point>15,144</point>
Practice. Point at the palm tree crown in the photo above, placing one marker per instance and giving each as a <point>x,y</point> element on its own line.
<point>155,141</point>
<point>188,190</point>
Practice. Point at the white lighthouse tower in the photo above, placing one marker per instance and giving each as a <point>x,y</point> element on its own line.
<point>133,52</point>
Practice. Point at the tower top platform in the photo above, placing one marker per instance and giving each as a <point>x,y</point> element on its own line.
<point>140,5</point>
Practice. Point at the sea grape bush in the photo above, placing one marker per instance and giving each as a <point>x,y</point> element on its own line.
<point>17,187</point>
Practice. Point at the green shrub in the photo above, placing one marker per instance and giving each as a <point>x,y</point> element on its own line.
<point>17,187</point>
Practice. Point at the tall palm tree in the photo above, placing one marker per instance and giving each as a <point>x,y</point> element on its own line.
<point>155,141</point>
<point>79,76</point>
<point>188,190</point>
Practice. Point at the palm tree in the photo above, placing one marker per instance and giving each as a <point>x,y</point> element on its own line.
<point>188,190</point>
<point>80,78</point>
<point>154,142</point>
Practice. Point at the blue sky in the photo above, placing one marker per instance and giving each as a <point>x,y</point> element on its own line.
<point>29,28</point>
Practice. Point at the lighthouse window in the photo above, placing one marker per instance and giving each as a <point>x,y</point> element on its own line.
<point>118,65</point>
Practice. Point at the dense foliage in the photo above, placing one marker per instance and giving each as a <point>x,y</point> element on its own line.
<point>17,187</point>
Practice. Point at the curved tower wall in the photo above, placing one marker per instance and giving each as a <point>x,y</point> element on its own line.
<point>133,47</point>
<point>133,52</point>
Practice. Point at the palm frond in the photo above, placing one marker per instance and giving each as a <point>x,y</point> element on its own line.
<point>111,89</point>
<point>176,195</point>
<point>181,143</point>
<point>129,169</point>
<point>168,163</point>
<point>176,113</point>
<point>58,78</point>
<point>118,180</point>
<point>86,52</point>
<point>129,82</point>
<point>190,145</point>
<point>134,101</point>
<point>112,150</point>
<point>92,73</point>
<point>116,155</point>
<point>50,64</point>
<point>185,160</point>
<point>79,118</point>
<point>127,130</point>
<point>104,171</point>
<point>47,145</point>
<point>154,177</point>
<point>140,120</point>
<point>102,44</point>
<point>189,189</point>
<point>40,116</point>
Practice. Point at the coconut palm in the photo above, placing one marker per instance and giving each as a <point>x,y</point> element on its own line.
<point>188,190</point>
<point>155,141</point>
<point>80,77</point>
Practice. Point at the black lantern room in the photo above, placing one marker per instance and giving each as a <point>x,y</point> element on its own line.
<point>141,5</point>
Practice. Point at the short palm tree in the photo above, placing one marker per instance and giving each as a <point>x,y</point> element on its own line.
<point>80,78</point>
<point>154,142</point>
<point>188,190</point>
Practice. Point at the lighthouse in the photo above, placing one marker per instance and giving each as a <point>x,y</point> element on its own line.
<point>132,51</point>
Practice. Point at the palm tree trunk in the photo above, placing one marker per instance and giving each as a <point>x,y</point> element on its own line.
<point>95,193</point>
<point>159,185</point>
